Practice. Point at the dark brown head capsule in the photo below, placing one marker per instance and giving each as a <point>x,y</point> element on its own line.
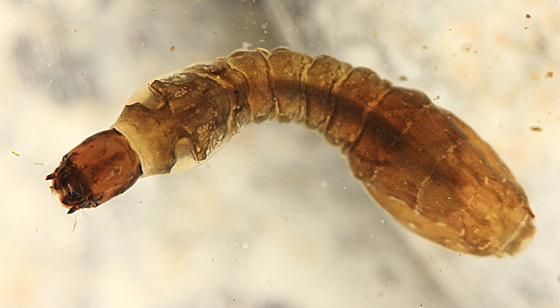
<point>101,167</point>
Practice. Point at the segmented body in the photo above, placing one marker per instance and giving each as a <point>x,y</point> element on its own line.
<point>423,165</point>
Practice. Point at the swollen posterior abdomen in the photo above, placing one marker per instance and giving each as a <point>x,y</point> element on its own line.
<point>426,167</point>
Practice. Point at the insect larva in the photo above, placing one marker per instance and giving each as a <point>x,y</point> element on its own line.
<point>420,162</point>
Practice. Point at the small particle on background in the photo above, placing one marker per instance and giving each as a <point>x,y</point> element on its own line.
<point>172,48</point>
<point>535,76</point>
<point>536,128</point>
<point>467,47</point>
<point>528,16</point>
<point>437,98</point>
<point>549,74</point>
<point>16,154</point>
<point>403,78</point>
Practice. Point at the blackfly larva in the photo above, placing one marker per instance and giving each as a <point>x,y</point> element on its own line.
<point>420,162</point>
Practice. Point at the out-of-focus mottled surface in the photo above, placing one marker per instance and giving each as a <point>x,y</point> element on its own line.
<point>275,219</point>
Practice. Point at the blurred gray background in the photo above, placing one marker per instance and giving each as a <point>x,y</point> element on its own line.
<point>275,219</point>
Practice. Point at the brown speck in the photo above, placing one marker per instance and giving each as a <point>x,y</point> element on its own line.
<point>549,74</point>
<point>16,154</point>
<point>526,28</point>
<point>403,78</point>
<point>536,128</point>
<point>425,47</point>
<point>466,47</point>
<point>172,48</point>
<point>75,31</point>
<point>528,16</point>
<point>437,97</point>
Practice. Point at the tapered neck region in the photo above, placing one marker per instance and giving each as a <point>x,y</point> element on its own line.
<point>101,167</point>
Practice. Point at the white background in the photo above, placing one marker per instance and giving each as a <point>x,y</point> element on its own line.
<point>275,219</point>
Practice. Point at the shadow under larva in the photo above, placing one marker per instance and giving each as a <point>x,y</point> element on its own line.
<point>422,164</point>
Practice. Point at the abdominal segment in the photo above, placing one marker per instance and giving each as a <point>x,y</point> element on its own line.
<point>421,163</point>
